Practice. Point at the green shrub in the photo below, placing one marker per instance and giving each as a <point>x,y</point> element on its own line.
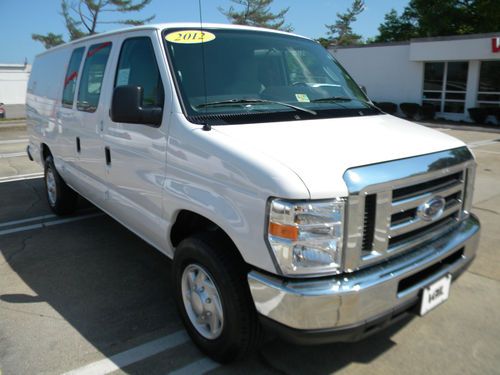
<point>427,111</point>
<point>410,110</point>
<point>387,107</point>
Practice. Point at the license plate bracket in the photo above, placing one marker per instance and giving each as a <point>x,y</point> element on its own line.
<point>435,294</point>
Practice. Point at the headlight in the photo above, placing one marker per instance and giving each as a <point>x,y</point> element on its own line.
<point>306,236</point>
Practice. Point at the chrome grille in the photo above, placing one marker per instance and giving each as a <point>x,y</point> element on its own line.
<point>382,215</point>
<point>405,226</point>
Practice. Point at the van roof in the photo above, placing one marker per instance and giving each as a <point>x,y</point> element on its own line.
<point>161,26</point>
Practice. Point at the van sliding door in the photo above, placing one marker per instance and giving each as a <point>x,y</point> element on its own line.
<point>91,116</point>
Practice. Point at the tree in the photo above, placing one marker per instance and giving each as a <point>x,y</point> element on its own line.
<point>50,40</point>
<point>396,28</point>
<point>340,33</point>
<point>427,18</point>
<point>83,16</point>
<point>257,13</point>
<point>324,42</point>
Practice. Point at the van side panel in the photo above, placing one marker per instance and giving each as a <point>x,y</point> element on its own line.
<point>43,103</point>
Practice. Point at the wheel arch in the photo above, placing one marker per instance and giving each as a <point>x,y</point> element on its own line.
<point>44,152</point>
<point>189,223</point>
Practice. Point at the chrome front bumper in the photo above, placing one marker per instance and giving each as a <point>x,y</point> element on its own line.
<point>355,299</point>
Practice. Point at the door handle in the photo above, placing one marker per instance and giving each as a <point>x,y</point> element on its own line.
<point>107,152</point>
<point>78,148</point>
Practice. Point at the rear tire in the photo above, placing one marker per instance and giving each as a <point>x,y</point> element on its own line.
<point>215,306</point>
<point>61,198</point>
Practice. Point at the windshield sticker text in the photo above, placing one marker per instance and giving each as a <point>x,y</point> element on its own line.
<point>190,37</point>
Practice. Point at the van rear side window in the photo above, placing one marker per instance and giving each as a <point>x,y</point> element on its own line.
<point>71,77</point>
<point>92,76</point>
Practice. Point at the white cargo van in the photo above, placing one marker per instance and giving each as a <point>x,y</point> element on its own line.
<point>286,199</point>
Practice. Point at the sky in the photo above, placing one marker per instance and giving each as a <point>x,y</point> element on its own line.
<point>21,18</point>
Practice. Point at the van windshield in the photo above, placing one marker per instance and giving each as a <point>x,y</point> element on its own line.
<point>239,76</point>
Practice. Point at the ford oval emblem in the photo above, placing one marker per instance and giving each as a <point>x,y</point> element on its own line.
<point>432,209</point>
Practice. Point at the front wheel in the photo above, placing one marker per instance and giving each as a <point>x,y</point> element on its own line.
<point>213,297</point>
<point>61,198</point>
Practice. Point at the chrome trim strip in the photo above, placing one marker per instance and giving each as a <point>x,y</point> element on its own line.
<point>404,169</point>
<point>437,231</point>
<point>410,203</point>
<point>418,223</point>
<point>345,300</point>
<point>383,220</point>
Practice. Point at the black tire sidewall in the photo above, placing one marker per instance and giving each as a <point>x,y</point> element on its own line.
<point>66,198</point>
<point>49,165</point>
<point>239,314</point>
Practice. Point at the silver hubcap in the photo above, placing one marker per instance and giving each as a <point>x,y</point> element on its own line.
<point>50,181</point>
<point>202,301</point>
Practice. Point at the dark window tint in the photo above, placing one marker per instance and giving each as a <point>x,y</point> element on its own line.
<point>92,75</point>
<point>456,79</point>
<point>432,95</point>
<point>72,77</point>
<point>490,76</point>
<point>433,76</point>
<point>137,67</point>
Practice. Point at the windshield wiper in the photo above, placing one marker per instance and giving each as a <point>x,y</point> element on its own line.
<point>255,101</point>
<point>332,99</point>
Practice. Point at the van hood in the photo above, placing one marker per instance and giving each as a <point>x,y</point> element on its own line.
<point>320,151</point>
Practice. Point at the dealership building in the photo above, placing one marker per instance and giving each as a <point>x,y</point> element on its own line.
<point>13,83</point>
<point>451,73</point>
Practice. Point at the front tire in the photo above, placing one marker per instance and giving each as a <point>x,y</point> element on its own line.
<point>61,198</point>
<point>213,297</point>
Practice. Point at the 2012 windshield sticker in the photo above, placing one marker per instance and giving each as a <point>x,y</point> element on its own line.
<point>190,37</point>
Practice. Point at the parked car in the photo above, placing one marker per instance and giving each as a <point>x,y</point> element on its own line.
<point>2,110</point>
<point>286,199</point>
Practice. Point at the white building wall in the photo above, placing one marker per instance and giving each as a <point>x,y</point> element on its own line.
<point>13,83</point>
<point>395,72</point>
<point>473,48</point>
<point>385,71</point>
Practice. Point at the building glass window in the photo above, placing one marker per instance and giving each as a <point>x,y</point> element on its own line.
<point>445,85</point>
<point>433,77</point>
<point>488,94</point>
<point>89,90</point>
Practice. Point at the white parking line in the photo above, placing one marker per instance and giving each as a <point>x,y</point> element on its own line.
<point>48,223</point>
<point>483,143</point>
<point>199,367</point>
<point>120,360</point>
<point>14,141</point>
<point>13,155</point>
<point>22,221</point>
<point>20,177</point>
<point>488,151</point>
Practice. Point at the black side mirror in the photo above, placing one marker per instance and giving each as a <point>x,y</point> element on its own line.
<point>127,107</point>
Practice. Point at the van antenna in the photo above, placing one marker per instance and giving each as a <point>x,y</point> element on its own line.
<point>206,125</point>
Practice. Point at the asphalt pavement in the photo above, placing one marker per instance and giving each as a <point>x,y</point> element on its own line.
<point>83,295</point>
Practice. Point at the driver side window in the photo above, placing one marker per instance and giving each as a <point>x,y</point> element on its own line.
<point>137,67</point>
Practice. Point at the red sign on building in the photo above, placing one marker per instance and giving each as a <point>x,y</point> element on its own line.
<point>495,44</point>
